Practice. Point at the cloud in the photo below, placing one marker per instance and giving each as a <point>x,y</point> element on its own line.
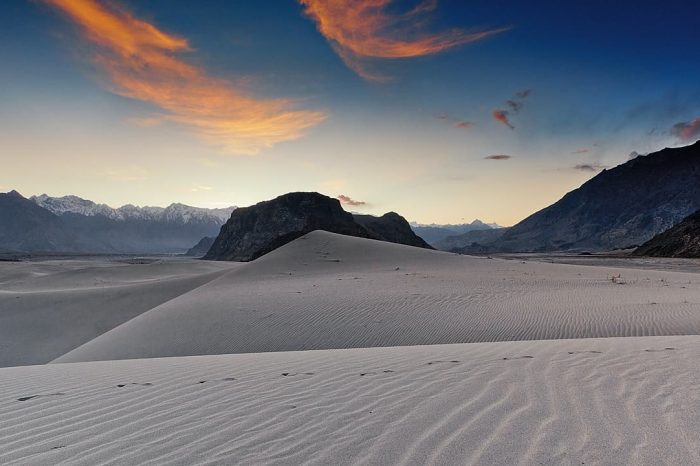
<point>581,151</point>
<point>454,122</point>
<point>347,200</point>
<point>513,107</point>
<point>129,173</point>
<point>141,62</point>
<point>501,116</point>
<point>589,167</point>
<point>146,122</point>
<point>688,130</point>
<point>364,30</point>
<point>199,188</point>
<point>498,157</point>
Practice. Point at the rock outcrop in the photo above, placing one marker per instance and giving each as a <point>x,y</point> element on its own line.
<point>682,240</point>
<point>254,231</point>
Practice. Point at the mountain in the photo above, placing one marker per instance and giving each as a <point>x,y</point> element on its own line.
<point>24,226</point>
<point>682,240</point>
<point>434,233</point>
<point>254,231</point>
<point>391,227</point>
<point>619,208</point>
<point>471,242</point>
<point>178,213</point>
<point>200,249</point>
<point>131,229</point>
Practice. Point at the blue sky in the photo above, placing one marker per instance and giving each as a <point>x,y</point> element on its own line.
<point>604,79</point>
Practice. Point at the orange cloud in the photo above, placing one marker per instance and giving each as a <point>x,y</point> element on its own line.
<point>687,130</point>
<point>347,200</point>
<point>361,30</point>
<point>140,62</point>
<point>501,116</point>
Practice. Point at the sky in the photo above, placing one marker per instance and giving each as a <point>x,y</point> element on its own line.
<point>441,110</point>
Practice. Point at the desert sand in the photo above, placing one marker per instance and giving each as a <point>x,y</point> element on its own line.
<point>360,352</point>
<point>585,401</point>
<point>328,291</point>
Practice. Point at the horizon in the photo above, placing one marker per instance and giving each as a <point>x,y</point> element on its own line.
<point>444,112</point>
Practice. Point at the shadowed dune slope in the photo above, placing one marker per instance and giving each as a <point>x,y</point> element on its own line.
<point>331,291</point>
<point>591,401</point>
<point>49,308</point>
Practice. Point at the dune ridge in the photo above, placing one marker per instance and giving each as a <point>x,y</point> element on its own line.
<point>49,308</point>
<point>326,291</point>
<point>586,401</point>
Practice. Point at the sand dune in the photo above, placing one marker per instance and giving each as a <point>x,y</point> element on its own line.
<point>329,291</point>
<point>591,401</point>
<point>48,308</point>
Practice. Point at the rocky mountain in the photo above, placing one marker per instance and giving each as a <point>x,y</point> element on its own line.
<point>176,213</point>
<point>24,226</point>
<point>254,231</point>
<point>71,224</point>
<point>682,240</point>
<point>391,227</point>
<point>200,249</point>
<point>619,208</point>
<point>471,242</point>
<point>434,233</point>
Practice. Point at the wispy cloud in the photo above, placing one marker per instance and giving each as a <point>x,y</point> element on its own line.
<point>498,157</point>
<point>200,188</point>
<point>513,106</point>
<point>501,116</point>
<point>347,200</point>
<point>129,173</point>
<point>687,131</point>
<point>364,30</point>
<point>141,62</point>
<point>589,167</point>
<point>454,122</point>
<point>581,151</point>
<point>146,122</point>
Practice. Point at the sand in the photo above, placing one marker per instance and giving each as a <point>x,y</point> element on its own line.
<point>591,401</point>
<point>50,307</point>
<point>413,361</point>
<point>327,291</point>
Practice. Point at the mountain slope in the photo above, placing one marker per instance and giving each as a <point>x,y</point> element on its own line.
<point>618,208</point>
<point>131,229</point>
<point>26,227</point>
<point>682,240</point>
<point>391,227</point>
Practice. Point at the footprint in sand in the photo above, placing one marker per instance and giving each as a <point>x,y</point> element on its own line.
<point>584,352</point>
<point>518,357</point>
<point>289,374</point>
<point>438,362</point>
<point>146,384</point>
<point>27,398</point>
<point>657,350</point>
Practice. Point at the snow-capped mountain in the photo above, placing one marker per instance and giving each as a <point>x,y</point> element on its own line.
<point>176,212</point>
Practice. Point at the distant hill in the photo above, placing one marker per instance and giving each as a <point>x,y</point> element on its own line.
<point>254,231</point>
<point>619,208</point>
<point>471,242</point>
<point>434,233</point>
<point>682,240</point>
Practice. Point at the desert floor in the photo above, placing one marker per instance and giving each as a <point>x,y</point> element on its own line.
<point>358,352</point>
